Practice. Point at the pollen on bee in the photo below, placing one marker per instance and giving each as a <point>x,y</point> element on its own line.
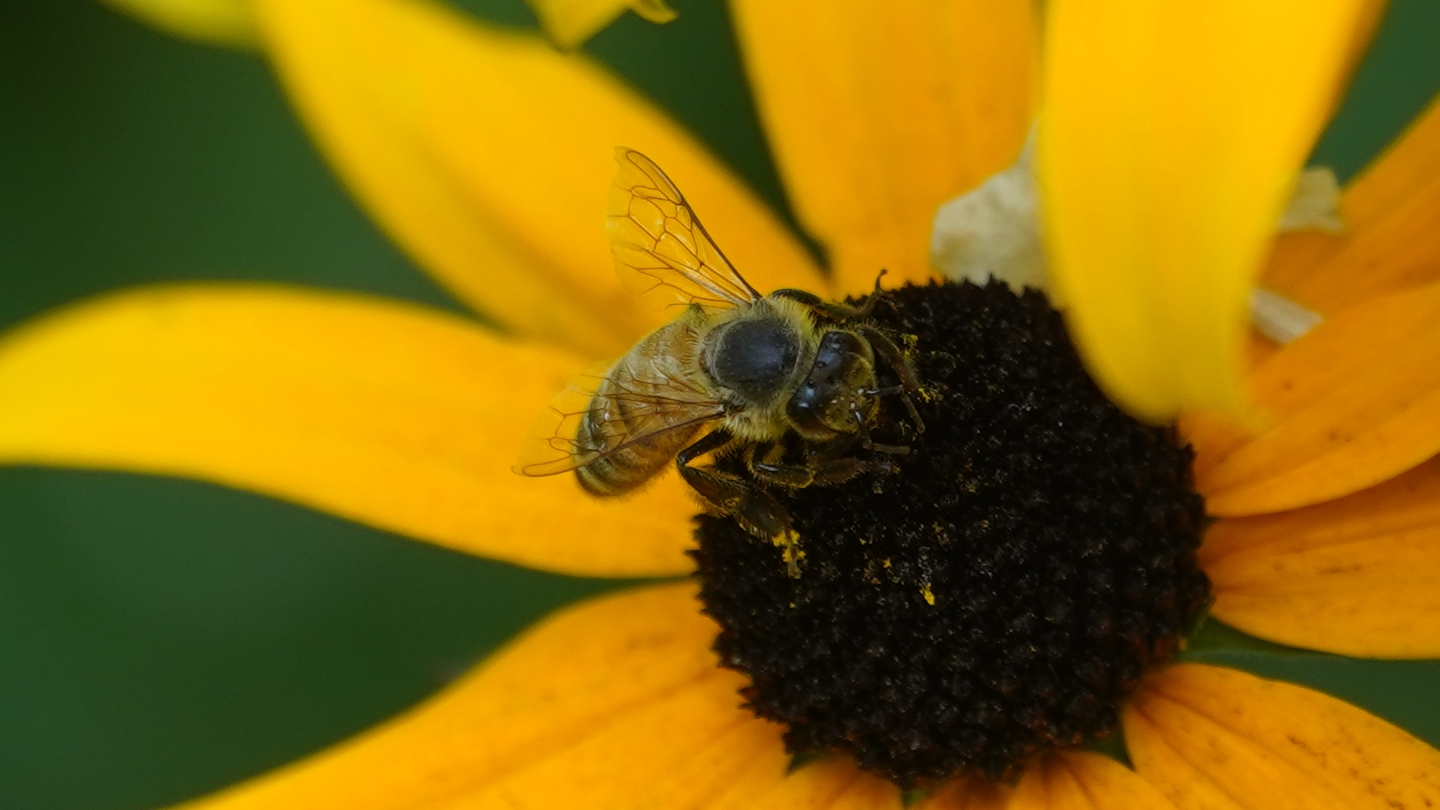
<point>789,544</point>
<point>929,594</point>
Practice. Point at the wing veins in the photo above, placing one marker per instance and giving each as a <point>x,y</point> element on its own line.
<point>680,243</point>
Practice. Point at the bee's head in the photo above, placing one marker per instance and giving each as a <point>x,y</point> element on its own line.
<point>831,400</point>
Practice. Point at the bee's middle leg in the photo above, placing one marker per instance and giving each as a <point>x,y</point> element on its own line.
<point>766,463</point>
<point>754,509</point>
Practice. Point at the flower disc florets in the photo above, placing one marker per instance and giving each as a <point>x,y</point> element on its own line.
<point>1001,591</point>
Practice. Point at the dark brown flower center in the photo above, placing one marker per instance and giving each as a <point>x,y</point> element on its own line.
<point>1001,592</point>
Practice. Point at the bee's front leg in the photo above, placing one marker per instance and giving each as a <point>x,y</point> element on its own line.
<point>886,351</point>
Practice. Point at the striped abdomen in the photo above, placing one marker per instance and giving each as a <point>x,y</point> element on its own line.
<point>648,408</point>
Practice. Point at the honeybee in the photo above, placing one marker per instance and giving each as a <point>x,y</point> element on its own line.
<point>737,372</point>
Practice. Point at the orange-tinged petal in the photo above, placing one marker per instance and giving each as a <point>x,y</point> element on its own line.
<point>615,703</point>
<point>570,22</point>
<point>831,784</point>
<point>878,113</point>
<point>1215,738</point>
<point>1084,781</point>
<point>1354,403</point>
<point>222,22</point>
<point>864,792</point>
<point>1391,241</point>
<point>488,155</point>
<point>389,414</point>
<point>969,794</point>
<point>1354,576</point>
<point>1171,138</point>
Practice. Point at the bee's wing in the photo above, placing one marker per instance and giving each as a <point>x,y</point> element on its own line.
<point>654,405</point>
<point>661,250</point>
<point>551,448</point>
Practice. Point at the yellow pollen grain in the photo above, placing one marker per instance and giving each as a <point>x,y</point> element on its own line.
<point>928,594</point>
<point>789,543</point>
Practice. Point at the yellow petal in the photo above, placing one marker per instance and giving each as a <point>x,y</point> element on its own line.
<point>570,22</point>
<point>968,794</point>
<point>1391,241</point>
<point>1079,780</point>
<point>1354,402</point>
<point>222,22</point>
<point>1215,738</point>
<point>616,703</point>
<point>877,113</point>
<point>1354,576</point>
<point>387,414</point>
<point>488,156</point>
<point>1170,141</point>
<point>833,784</point>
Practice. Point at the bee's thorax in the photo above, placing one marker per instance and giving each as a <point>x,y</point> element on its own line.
<point>754,358</point>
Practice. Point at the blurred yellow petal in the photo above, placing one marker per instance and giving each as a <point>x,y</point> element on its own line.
<point>570,22</point>
<point>1171,139</point>
<point>1391,240</point>
<point>384,413</point>
<point>879,112</point>
<point>1215,738</point>
<point>223,22</point>
<point>1354,404</point>
<point>616,703</point>
<point>1354,576</point>
<point>1080,780</point>
<point>488,156</point>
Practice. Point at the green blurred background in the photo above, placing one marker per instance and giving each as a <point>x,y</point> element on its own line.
<point>161,638</point>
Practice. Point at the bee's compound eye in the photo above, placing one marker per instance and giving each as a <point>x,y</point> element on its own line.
<point>755,357</point>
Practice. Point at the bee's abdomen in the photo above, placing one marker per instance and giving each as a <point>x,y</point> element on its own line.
<point>635,440</point>
<point>607,477</point>
<point>619,471</point>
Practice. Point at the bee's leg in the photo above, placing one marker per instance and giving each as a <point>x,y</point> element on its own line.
<point>754,509</point>
<point>815,472</point>
<point>886,350</point>
<point>826,310</point>
<point>862,429</point>
<point>834,310</point>
<point>717,489</point>
<point>876,296</point>
<point>766,461</point>
<point>824,464</point>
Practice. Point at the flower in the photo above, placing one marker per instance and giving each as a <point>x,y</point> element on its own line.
<point>229,22</point>
<point>406,419</point>
<point>225,22</point>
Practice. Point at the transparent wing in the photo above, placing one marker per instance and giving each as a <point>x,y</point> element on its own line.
<point>661,250</point>
<point>637,408</point>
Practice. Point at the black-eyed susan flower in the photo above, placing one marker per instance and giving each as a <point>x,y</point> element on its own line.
<point>488,156</point>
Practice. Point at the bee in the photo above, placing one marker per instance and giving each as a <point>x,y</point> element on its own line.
<point>736,372</point>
